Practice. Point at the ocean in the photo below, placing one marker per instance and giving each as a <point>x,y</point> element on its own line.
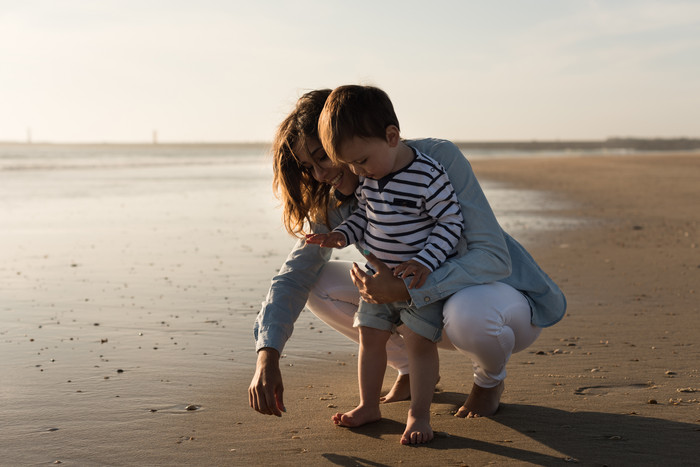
<point>32,174</point>
<point>137,234</point>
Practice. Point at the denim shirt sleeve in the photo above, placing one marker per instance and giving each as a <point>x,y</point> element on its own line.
<point>482,252</point>
<point>290,288</point>
<point>288,294</point>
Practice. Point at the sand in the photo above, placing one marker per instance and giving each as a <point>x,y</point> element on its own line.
<point>126,337</point>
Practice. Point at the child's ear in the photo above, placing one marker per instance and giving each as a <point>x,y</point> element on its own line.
<point>393,136</point>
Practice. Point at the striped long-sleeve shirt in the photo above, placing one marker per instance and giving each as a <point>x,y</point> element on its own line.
<point>410,214</point>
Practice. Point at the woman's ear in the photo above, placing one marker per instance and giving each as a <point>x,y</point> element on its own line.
<point>393,135</point>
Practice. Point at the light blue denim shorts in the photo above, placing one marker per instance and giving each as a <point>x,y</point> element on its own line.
<point>426,321</point>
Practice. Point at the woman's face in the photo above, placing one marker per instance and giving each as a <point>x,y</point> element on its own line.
<point>314,159</point>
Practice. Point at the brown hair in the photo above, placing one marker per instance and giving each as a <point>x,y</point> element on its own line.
<point>351,111</point>
<point>303,197</point>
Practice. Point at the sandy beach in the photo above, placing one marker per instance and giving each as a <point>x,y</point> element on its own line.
<point>129,296</point>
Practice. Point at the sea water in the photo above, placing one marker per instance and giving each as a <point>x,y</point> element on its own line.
<point>34,172</point>
<point>163,240</point>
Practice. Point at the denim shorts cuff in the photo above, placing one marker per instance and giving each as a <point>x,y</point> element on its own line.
<point>422,328</point>
<point>372,321</point>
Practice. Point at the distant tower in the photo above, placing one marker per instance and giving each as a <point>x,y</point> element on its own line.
<point>155,137</point>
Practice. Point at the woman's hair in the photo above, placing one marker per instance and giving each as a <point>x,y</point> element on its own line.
<point>303,197</point>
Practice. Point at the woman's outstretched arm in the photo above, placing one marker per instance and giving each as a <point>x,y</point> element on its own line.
<point>274,324</point>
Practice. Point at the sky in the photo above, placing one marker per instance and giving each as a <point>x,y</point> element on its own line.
<point>229,70</point>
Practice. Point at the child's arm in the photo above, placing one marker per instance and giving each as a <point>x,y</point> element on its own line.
<point>349,232</point>
<point>442,205</point>
<point>413,268</point>
<point>327,240</point>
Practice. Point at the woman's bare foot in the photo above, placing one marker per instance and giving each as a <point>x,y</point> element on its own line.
<point>358,416</point>
<point>481,402</point>
<point>400,391</point>
<point>418,430</point>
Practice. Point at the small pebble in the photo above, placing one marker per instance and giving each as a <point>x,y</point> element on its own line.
<point>192,407</point>
<point>652,401</point>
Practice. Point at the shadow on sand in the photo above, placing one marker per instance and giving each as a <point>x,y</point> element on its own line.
<point>600,438</point>
<point>588,437</point>
<point>585,438</point>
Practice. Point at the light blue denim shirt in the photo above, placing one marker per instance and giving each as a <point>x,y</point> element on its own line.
<point>485,254</point>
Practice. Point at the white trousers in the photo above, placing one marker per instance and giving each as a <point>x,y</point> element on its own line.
<point>487,323</point>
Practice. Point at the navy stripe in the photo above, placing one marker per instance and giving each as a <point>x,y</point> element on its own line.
<point>396,234</point>
<point>375,248</point>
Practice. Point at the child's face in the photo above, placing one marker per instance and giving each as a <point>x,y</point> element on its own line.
<point>369,157</point>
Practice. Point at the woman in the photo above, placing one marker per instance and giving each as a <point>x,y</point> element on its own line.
<point>499,298</point>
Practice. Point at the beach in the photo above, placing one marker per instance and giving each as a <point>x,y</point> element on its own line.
<point>130,290</point>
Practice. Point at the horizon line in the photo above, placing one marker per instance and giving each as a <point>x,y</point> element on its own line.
<point>267,143</point>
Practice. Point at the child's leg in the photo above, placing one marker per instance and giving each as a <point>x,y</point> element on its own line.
<point>424,365</point>
<point>370,371</point>
<point>334,299</point>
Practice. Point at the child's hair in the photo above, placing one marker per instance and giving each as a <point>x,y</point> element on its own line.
<point>303,197</point>
<point>350,111</point>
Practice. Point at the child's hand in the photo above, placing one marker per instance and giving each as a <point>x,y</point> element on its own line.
<point>328,240</point>
<point>415,269</point>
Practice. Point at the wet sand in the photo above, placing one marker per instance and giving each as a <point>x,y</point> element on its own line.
<point>126,338</point>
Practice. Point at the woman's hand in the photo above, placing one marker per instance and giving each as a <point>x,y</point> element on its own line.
<point>382,287</point>
<point>266,389</point>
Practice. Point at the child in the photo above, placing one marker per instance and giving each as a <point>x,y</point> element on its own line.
<point>409,217</point>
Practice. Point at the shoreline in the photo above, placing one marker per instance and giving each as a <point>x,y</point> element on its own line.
<point>582,392</point>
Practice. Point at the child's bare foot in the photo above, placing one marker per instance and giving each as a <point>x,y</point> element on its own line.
<point>481,402</point>
<point>400,391</point>
<point>358,416</point>
<point>418,430</point>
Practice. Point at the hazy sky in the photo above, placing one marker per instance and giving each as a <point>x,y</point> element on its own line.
<point>208,70</point>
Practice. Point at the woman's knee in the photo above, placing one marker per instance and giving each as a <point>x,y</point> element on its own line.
<point>334,283</point>
<point>467,318</point>
<point>477,314</point>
